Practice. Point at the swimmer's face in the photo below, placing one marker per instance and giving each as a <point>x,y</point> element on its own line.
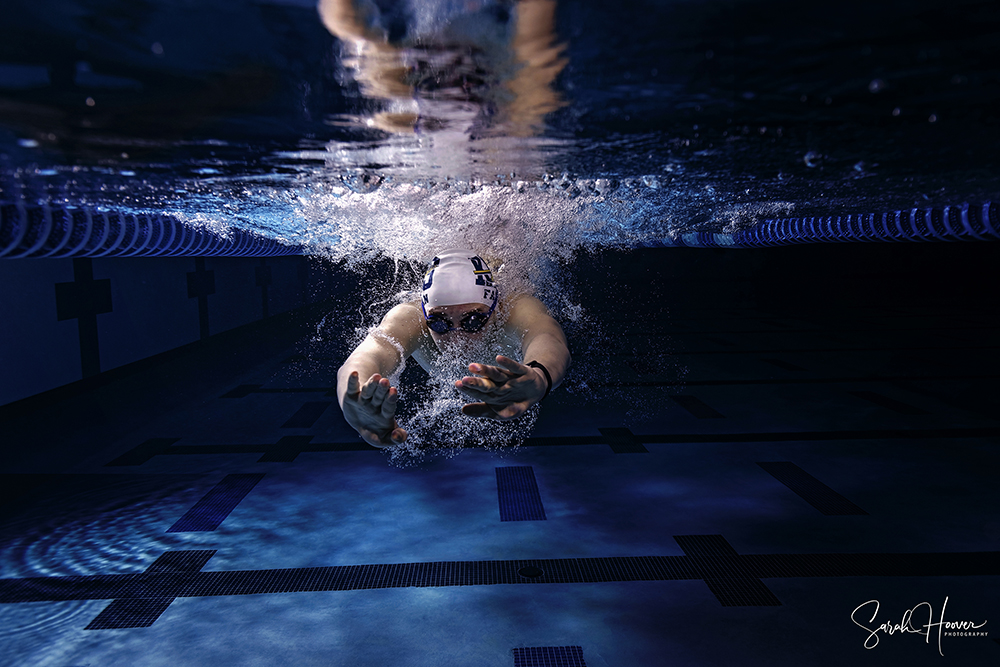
<point>453,317</point>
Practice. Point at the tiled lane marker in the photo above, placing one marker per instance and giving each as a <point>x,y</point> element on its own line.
<point>549,656</point>
<point>210,511</point>
<point>712,562</point>
<point>290,446</point>
<point>622,441</point>
<point>142,599</point>
<point>83,300</point>
<point>698,408</point>
<point>810,489</point>
<point>517,493</point>
<point>725,573</point>
<point>307,415</point>
<point>143,452</point>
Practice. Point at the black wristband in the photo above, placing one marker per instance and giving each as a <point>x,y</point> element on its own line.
<point>548,378</point>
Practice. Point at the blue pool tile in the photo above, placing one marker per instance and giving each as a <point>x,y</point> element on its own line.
<point>549,656</point>
<point>698,408</point>
<point>307,415</point>
<point>623,441</point>
<point>810,489</point>
<point>518,494</point>
<point>210,511</point>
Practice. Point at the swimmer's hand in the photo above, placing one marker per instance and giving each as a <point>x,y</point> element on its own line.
<point>371,410</point>
<point>502,392</point>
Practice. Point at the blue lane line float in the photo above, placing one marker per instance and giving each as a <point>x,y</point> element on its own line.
<point>965,222</point>
<point>54,231</point>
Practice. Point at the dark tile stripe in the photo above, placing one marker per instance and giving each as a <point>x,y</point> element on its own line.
<point>888,403</point>
<point>724,573</point>
<point>130,613</point>
<point>810,489</point>
<point>622,441</point>
<point>289,447</point>
<point>142,612</point>
<point>705,546</point>
<point>143,452</point>
<point>742,592</point>
<point>212,510</point>
<point>307,415</point>
<point>181,561</point>
<point>518,494</point>
<point>730,576</point>
<point>549,656</point>
<point>84,299</point>
<point>696,407</point>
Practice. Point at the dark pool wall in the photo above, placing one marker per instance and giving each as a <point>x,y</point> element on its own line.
<point>64,320</point>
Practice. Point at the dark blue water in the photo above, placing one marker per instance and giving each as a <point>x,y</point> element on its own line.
<point>665,116</point>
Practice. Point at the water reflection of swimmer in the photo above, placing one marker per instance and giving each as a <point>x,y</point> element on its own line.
<point>457,303</point>
<point>492,67</point>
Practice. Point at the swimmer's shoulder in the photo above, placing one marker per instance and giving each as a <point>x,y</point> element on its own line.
<point>525,304</point>
<point>405,324</point>
<point>405,317</point>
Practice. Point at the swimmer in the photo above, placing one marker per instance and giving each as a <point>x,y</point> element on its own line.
<point>493,65</point>
<point>459,304</point>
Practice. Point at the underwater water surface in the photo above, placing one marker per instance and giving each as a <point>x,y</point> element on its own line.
<point>384,128</point>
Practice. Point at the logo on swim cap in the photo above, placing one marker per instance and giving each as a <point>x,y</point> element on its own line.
<point>458,276</point>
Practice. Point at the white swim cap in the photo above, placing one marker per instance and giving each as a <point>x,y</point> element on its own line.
<point>458,276</point>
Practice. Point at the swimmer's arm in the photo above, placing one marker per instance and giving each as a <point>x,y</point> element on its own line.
<point>376,355</point>
<point>368,401</point>
<point>540,60</point>
<point>344,20</point>
<point>542,339</point>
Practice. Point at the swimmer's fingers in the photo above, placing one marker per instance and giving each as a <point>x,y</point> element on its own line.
<point>484,411</point>
<point>393,437</point>
<point>368,389</point>
<point>479,410</point>
<point>513,367</point>
<point>353,384</point>
<point>476,386</point>
<point>479,389</point>
<point>381,392</point>
<point>389,404</point>
<point>493,373</point>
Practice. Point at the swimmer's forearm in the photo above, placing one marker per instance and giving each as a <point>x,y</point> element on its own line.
<point>550,351</point>
<point>365,369</point>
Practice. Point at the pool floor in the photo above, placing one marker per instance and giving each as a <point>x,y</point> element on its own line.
<point>793,467</point>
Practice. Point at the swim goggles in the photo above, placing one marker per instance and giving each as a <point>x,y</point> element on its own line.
<point>471,322</point>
